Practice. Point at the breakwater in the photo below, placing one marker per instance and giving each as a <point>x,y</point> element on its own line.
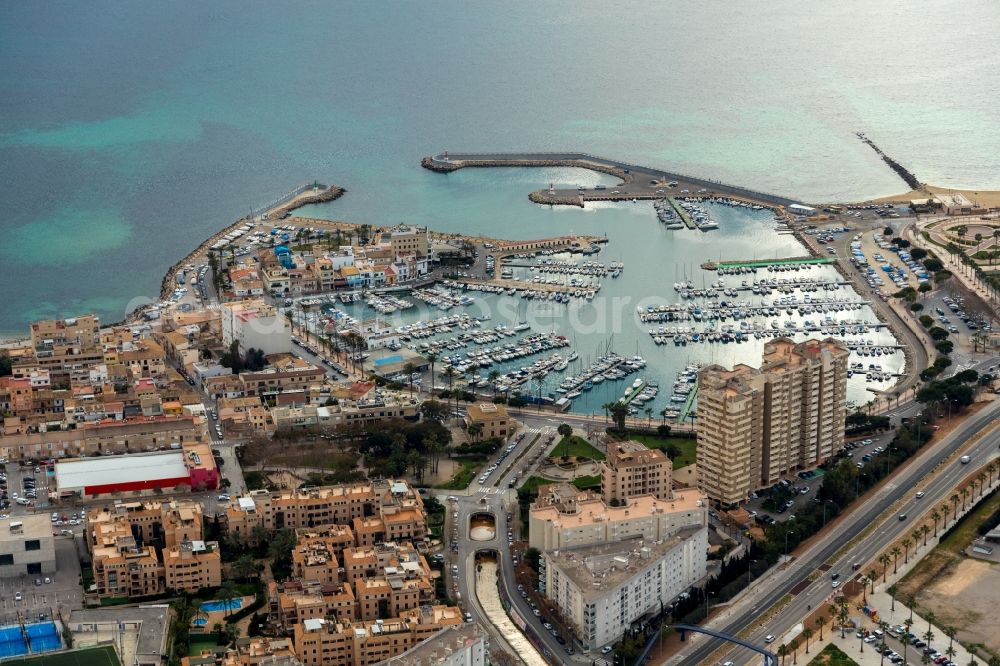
<point>638,182</point>
<point>900,170</point>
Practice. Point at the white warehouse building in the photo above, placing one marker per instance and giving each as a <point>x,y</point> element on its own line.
<point>602,589</point>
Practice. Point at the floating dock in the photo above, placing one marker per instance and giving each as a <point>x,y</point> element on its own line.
<point>764,263</point>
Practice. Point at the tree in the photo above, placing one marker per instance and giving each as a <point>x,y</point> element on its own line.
<point>434,410</point>
<point>619,411</point>
<point>794,646</point>
<point>887,231</point>
<point>5,364</point>
<point>228,593</point>
<point>782,652</point>
<point>807,634</point>
<point>432,358</point>
<point>895,558</point>
<point>884,561</point>
<point>820,622</point>
<point>409,369</point>
<point>906,548</point>
<point>935,516</point>
<point>475,430</point>
<point>533,558</point>
<point>244,568</point>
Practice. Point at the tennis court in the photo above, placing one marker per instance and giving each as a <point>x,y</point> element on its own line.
<point>42,637</point>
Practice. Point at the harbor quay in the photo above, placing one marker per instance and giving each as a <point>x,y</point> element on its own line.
<point>638,182</point>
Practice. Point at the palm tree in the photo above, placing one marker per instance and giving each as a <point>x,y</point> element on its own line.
<point>944,515</point>
<point>906,548</point>
<point>782,652</point>
<point>409,369</point>
<point>924,531</point>
<point>449,373</point>
<point>884,561</point>
<point>965,495</point>
<point>494,376</point>
<point>950,632</point>
<point>228,593</point>
<point>981,477</point>
<point>432,358</point>
<point>820,622</point>
<point>935,516</point>
<point>954,501</point>
<point>992,467</point>
<point>807,634</point>
<point>872,575</point>
<point>895,558</point>
<point>908,622</point>
<point>649,417</point>
<point>794,645</point>
<point>928,635</point>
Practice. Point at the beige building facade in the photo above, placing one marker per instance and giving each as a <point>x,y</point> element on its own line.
<point>755,425</point>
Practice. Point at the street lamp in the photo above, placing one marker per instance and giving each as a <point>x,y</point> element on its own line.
<point>825,502</point>
<point>749,564</point>
<point>786,541</point>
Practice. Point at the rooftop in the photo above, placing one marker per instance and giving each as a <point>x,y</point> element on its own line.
<point>589,509</point>
<point>437,648</point>
<point>120,469</point>
<point>603,567</point>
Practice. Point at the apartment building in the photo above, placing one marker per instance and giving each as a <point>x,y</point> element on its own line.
<point>254,323</point>
<point>26,546</point>
<point>602,589</point>
<point>295,601</point>
<point>105,436</point>
<point>192,565</point>
<point>757,424</point>
<point>62,346</point>
<point>366,411</point>
<point>463,645</point>
<point>630,470</point>
<point>320,642</point>
<point>127,539</point>
<point>564,517</point>
<point>256,651</point>
<point>388,509</point>
<point>284,372</point>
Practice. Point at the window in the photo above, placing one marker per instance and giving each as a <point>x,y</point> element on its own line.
<point>33,544</point>
<point>6,559</point>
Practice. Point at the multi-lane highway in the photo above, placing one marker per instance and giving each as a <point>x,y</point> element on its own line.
<point>899,494</point>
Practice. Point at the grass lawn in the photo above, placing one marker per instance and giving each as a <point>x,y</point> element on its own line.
<point>685,444</point>
<point>576,446</point>
<point>97,656</point>
<point>463,477</point>
<point>832,655</point>
<point>584,482</point>
<point>532,482</point>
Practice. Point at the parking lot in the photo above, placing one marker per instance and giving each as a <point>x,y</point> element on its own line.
<point>42,600</point>
<point>777,504</point>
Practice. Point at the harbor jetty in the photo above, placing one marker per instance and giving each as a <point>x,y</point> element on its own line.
<point>900,170</point>
<point>638,182</point>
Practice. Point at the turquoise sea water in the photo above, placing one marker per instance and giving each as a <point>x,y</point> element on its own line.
<point>129,132</point>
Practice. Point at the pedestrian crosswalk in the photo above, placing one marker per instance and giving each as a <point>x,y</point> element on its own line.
<point>489,491</point>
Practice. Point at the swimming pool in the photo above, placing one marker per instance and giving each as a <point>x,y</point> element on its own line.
<point>217,605</point>
<point>43,636</point>
<point>200,622</point>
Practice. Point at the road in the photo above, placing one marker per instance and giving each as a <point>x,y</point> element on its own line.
<point>899,489</point>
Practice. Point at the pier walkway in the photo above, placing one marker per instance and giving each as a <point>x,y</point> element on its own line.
<point>682,212</point>
<point>638,182</point>
<point>765,263</point>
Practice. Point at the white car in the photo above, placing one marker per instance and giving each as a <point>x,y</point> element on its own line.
<point>223,498</point>
<point>769,638</point>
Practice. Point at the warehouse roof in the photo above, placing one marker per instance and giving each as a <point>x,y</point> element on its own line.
<point>120,469</point>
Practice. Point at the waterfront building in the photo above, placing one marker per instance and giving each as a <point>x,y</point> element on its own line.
<point>492,418</point>
<point>602,589</point>
<point>255,324</point>
<point>26,546</point>
<point>631,469</point>
<point>755,425</point>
